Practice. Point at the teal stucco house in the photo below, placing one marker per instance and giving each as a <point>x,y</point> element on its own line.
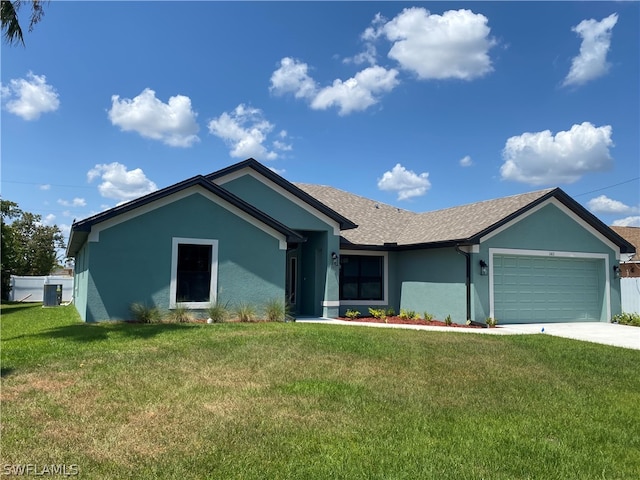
<point>244,234</point>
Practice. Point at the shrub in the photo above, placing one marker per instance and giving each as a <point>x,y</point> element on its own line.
<point>632,319</point>
<point>408,314</point>
<point>491,322</point>
<point>391,312</point>
<point>428,316</point>
<point>145,314</point>
<point>352,314</point>
<point>447,320</point>
<point>180,315</point>
<point>275,310</point>
<point>378,313</point>
<point>245,312</point>
<point>218,312</point>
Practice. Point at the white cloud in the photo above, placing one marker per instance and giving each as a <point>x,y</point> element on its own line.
<point>292,77</point>
<point>455,44</point>
<point>31,97</point>
<point>604,204</point>
<point>119,183</point>
<point>49,219</point>
<point>245,131</point>
<point>592,62</point>
<point>628,222</point>
<point>466,161</point>
<point>76,202</point>
<point>408,184</point>
<point>357,93</point>
<point>173,123</point>
<point>45,187</point>
<point>368,55</point>
<point>542,158</point>
<point>65,229</point>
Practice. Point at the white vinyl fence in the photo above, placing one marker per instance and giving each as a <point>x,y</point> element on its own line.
<point>630,291</point>
<point>31,289</point>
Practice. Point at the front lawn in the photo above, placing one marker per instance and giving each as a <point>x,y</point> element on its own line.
<point>308,401</point>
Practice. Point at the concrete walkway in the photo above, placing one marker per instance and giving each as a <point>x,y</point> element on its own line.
<point>623,336</point>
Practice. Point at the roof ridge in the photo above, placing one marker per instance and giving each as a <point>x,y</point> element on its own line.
<point>371,200</point>
<point>541,192</point>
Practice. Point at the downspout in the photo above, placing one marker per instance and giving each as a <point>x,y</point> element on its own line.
<point>468,279</point>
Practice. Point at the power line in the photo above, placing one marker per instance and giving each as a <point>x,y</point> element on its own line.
<point>606,188</point>
<point>41,184</point>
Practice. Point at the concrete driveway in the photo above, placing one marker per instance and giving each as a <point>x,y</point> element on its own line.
<point>605,333</point>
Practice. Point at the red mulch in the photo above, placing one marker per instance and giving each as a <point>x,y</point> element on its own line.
<point>406,321</point>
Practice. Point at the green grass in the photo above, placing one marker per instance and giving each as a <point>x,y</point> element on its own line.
<point>303,401</point>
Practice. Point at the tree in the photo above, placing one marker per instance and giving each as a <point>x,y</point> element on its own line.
<point>8,250</point>
<point>11,30</point>
<point>28,247</point>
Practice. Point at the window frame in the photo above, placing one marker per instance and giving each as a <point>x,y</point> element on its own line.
<point>213,286</point>
<point>385,277</point>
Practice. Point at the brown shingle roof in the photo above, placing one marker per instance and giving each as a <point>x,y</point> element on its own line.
<point>379,223</point>
<point>631,235</point>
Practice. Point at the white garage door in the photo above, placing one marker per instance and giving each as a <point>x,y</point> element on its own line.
<point>533,289</point>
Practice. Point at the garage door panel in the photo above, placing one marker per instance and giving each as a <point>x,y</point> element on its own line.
<point>529,289</point>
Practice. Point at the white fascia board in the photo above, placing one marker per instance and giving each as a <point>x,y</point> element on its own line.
<point>567,211</point>
<point>94,235</point>
<point>283,192</point>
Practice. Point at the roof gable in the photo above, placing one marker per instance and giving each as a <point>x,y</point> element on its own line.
<point>302,198</point>
<point>81,230</point>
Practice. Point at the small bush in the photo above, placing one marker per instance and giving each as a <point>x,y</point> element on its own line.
<point>632,319</point>
<point>491,322</point>
<point>391,312</point>
<point>408,314</point>
<point>378,313</point>
<point>180,315</point>
<point>245,312</point>
<point>447,320</point>
<point>428,316</point>
<point>145,314</point>
<point>218,312</point>
<point>352,314</point>
<point>275,310</point>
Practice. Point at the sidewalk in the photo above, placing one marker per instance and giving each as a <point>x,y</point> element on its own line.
<point>616,335</point>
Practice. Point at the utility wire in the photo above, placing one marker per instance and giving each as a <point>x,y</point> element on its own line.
<point>606,188</point>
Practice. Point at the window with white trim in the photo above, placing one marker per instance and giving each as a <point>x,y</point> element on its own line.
<point>194,272</point>
<point>361,277</point>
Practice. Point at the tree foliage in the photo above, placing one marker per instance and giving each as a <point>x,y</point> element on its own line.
<point>11,29</point>
<point>28,247</point>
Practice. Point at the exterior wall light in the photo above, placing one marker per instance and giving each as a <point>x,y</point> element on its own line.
<point>616,271</point>
<point>484,268</point>
<point>335,259</point>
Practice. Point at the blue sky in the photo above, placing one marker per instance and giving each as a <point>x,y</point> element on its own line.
<point>422,105</point>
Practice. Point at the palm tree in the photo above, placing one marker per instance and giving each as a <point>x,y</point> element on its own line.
<point>11,30</point>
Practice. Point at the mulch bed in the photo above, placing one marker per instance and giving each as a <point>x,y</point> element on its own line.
<point>406,321</point>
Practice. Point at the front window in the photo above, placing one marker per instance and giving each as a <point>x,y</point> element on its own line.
<point>193,272</point>
<point>361,277</point>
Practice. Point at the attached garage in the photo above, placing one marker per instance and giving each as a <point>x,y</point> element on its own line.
<point>542,286</point>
